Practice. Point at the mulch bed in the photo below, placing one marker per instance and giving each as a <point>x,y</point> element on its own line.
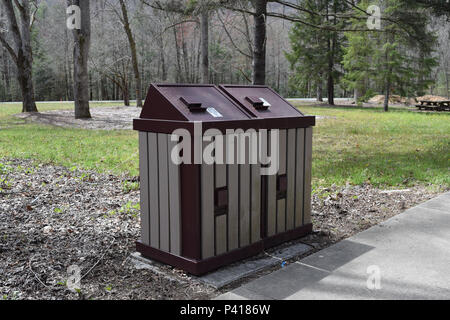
<point>52,217</point>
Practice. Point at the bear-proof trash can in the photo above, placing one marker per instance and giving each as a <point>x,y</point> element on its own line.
<point>225,172</point>
<point>287,200</point>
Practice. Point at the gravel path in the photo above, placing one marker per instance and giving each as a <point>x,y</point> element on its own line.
<point>104,118</point>
<point>52,217</point>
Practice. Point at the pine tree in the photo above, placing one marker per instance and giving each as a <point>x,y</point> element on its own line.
<point>396,58</point>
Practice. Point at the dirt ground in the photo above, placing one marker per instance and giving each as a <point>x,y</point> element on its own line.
<point>107,118</point>
<point>52,217</point>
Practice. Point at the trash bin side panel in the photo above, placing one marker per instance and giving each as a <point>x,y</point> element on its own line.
<point>308,168</point>
<point>174,202</point>
<point>290,173</point>
<point>207,221</point>
<point>255,203</point>
<point>299,171</point>
<point>153,179</point>
<point>143,179</point>
<point>281,203</point>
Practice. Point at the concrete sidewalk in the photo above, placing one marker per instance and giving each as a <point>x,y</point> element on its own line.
<point>411,251</point>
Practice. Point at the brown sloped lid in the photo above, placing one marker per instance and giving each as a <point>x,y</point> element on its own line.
<point>189,102</point>
<point>261,101</point>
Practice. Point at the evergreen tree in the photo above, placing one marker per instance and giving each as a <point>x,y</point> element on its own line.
<point>397,58</point>
<point>316,46</point>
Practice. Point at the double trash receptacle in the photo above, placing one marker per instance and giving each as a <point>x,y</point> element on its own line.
<point>225,172</point>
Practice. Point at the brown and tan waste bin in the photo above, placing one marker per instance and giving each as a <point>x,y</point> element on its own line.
<point>198,215</point>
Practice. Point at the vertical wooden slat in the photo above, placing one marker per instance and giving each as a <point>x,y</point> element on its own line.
<point>271,196</point>
<point>290,195</point>
<point>207,196</point>
<point>233,207</point>
<point>233,202</point>
<point>281,222</point>
<point>221,169</point>
<point>153,188</point>
<point>143,170</point>
<point>221,234</point>
<point>244,195</point>
<point>281,207</point>
<point>256,203</point>
<point>282,150</point>
<point>244,205</point>
<point>300,149</point>
<point>164,223</point>
<point>174,202</point>
<point>221,221</point>
<point>308,167</point>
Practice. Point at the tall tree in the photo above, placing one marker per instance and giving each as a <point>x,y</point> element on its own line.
<point>134,58</point>
<point>398,57</point>
<point>316,52</point>
<point>82,42</point>
<point>259,42</point>
<point>204,23</point>
<point>21,51</point>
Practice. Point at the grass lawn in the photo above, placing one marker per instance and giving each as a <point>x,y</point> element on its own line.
<point>354,145</point>
<point>115,151</point>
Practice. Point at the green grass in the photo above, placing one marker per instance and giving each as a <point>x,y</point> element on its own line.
<point>352,145</point>
<point>399,148</point>
<point>113,151</point>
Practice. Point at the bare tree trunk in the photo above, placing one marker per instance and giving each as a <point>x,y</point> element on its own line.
<point>357,94</point>
<point>387,94</point>
<point>82,38</point>
<point>331,52</point>
<point>319,89</point>
<point>179,75</point>
<point>447,82</point>
<point>134,58</point>
<point>22,54</point>
<point>6,76</point>
<point>259,45</point>
<point>162,57</point>
<point>205,45</point>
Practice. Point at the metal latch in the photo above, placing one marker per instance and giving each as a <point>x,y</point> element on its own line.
<point>193,104</point>
<point>258,103</point>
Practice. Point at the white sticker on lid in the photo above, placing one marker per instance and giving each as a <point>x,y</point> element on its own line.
<point>265,103</point>
<point>212,111</point>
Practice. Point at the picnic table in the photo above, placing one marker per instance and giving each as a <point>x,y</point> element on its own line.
<point>443,105</point>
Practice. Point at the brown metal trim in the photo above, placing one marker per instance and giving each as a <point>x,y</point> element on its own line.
<point>190,211</point>
<point>287,236</point>
<point>200,267</point>
<point>168,126</point>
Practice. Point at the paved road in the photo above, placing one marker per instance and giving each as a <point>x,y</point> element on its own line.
<point>410,252</point>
